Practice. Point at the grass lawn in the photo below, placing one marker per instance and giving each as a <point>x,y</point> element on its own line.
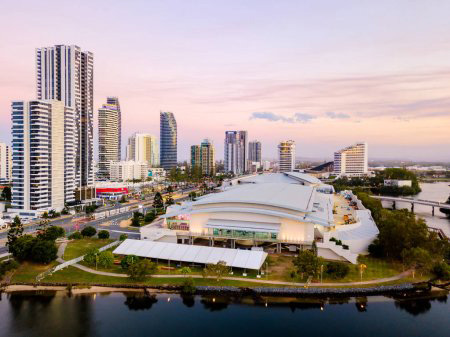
<point>76,248</point>
<point>28,271</point>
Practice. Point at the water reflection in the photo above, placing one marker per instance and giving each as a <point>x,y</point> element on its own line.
<point>139,301</point>
<point>417,306</point>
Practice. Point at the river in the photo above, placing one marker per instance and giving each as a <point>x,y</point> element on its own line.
<point>433,192</point>
<point>51,313</point>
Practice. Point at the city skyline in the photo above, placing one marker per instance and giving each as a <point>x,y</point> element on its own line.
<point>282,71</point>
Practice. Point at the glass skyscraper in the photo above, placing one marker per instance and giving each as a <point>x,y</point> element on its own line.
<point>168,140</point>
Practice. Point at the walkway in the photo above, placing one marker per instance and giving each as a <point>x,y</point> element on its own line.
<point>292,284</point>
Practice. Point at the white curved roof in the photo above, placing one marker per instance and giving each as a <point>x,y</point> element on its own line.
<point>290,196</point>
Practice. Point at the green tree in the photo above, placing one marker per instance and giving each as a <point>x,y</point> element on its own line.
<point>307,263</point>
<point>188,286</point>
<point>103,234</point>
<point>45,215</point>
<point>52,233</point>
<point>44,251</point>
<point>22,247</point>
<point>6,193</point>
<point>128,260</point>
<point>123,237</point>
<point>106,259</point>
<point>149,217</point>
<point>441,271</point>
<point>138,271</point>
<point>158,201</point>
<point>15,230</point>
<point>217,270</point>
<point>417,258</point>
<point>88,231</point>
<point>91,257</point>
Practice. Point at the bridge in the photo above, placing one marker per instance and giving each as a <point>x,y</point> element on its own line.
<point>412,201</point>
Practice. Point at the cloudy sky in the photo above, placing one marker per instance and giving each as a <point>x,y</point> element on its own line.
<point>323,73</point>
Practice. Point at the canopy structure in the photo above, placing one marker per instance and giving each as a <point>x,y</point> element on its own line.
<point>246,259</point>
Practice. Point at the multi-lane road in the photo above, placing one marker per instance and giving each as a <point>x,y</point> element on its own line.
<point>110,223</point>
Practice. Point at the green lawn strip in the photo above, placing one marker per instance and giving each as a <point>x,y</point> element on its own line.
<point>28,271</point>
<point>76,248</point>
<point>74,275</point>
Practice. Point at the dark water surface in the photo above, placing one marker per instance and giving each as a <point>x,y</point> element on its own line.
<point>131,314</point>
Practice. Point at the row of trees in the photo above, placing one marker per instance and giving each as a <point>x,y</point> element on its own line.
<point>40,249</point>
<point>376,184</point>
<point>405,238</point>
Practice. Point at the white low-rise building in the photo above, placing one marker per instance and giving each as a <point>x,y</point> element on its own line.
<point>397,182</point>
<point>128,170</point>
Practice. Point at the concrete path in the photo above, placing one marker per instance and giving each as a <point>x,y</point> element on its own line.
<point>260,281</point>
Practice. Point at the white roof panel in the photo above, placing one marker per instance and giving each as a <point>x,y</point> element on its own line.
<point>190,253</point>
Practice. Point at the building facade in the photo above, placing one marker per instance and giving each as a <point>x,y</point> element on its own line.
<point>128,170</point>
<point>235,152</point>
<point>254,151</point>
<point>44,152</point>
<point>168,140</point>
<point>65,73</point>
<point>143,147</point>
<point>109,138</point>
<point>5,163</point>
<point>352,161</point>
<point>286,156</point>
<point>204,157</point>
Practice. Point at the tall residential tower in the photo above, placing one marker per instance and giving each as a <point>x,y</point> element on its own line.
<point>235,156</point>
<point>65,73</point>
<point>143,148</point>
<point>44,152</point>
<point>168,140</point>
<point>254,151</point>
<point>5,163</point>
<point>203,156</point>
<point>109,138</point>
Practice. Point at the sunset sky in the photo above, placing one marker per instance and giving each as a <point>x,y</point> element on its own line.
<point>323,73</point>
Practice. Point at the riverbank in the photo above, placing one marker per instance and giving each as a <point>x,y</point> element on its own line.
<point>75,288</point>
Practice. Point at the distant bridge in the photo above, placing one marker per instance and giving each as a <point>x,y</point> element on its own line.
<point>412,201</point>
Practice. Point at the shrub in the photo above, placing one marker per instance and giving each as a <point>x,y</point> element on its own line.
<point>135,222</point>
<point>333,239</point>
<point>88,231</point>
<point>123,237</point>
<point>103,234</point>
<point>44,251</point>
<point>441,271</point>
<point>75,236</point>
<point>345,247</point>
<point>149,217</point>
<point>7,266</point>
<point>337,270</point>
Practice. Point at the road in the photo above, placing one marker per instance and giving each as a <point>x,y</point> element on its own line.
<point>114,229</point>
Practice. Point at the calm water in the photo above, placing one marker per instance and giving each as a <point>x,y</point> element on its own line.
<point>121,314</point>
<point>433,192</point>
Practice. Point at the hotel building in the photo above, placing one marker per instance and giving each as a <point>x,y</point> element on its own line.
<point>286,156</point>
<point>352,161</point>
<point>128,170</point>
